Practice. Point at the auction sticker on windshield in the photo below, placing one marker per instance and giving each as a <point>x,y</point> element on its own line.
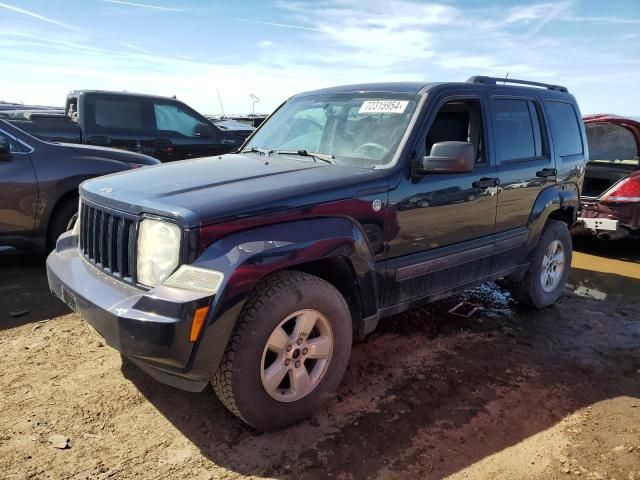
<point>383,106</point>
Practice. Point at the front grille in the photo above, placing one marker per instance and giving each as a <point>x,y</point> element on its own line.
<point>108,240</point>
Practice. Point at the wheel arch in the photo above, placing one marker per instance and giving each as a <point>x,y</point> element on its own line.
<point>334,249</point>
<point>49,213</point>
<point>558,202</point>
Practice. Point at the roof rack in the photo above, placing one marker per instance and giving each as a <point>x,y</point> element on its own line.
<point>495,80</point>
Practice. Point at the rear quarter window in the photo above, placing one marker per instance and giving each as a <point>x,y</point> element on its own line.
<point>565,128</point>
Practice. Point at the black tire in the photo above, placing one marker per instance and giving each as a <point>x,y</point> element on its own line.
<point>529,291</point>
<point>61,221</point>
<point>238,382</point>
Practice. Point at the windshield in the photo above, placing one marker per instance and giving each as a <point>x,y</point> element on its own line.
<point>610,143</point>
<point>354,128</point>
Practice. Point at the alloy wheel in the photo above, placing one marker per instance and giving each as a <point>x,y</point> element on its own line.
<point>297,355</point>
<point>553,264</point>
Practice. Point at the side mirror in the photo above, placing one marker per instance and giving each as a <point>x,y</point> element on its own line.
<point>205,131</point>
<point>448,157</point>
<point>5,149</point>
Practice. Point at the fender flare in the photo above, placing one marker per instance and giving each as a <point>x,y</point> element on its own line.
<point>556,198</point>
<point>246,257</point>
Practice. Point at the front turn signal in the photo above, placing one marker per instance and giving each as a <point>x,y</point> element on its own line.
<point>197,323</point>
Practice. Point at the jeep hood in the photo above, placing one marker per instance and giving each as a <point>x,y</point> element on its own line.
<point>211,189</point>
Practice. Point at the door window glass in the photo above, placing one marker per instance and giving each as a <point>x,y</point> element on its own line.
<point>458,121</point>
<point>174,118</point>
<point>565,128</point>
<point>118,113</point>
<point>519,132</point>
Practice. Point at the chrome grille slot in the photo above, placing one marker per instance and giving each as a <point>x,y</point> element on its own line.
<point>108,240</point>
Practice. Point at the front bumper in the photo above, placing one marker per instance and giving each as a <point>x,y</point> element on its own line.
<point>151,327</point>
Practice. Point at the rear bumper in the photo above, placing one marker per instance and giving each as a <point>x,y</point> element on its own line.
<point>151,327</point>
<point>626,216</point>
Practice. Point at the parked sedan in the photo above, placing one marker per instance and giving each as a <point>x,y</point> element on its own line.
<point>39,184</point>
<point>611,195</point>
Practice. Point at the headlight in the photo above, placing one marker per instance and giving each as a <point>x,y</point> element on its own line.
<point>194,278</point>
<point>158,251</point>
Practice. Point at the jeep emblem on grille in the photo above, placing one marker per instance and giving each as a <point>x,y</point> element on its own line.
<point>106,190</point>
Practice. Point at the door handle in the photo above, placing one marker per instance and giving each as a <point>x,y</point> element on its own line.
<point>547,172</point>
<point>486,182</point>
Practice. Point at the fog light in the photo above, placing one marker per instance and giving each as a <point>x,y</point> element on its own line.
<point>194,278</point>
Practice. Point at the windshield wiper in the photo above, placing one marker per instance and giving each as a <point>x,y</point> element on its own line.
<point>325,157</point>
<point>261,151</point>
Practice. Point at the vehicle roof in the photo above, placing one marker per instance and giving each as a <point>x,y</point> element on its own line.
<point>74,93</point>
<point>422,87</point>
<point>390,87</point>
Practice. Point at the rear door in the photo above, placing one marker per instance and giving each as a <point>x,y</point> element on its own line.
<point>116,121</point>
<point>19,197</point>
<point>525,164</point>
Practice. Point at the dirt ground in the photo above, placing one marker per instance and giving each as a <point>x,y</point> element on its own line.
<point>510,393</point>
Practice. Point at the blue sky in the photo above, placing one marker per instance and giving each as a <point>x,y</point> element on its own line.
<point>277,48</point>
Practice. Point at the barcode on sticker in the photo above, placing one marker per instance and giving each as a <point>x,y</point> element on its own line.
<point>383,106</point>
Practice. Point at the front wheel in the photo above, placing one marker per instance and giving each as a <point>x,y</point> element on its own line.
<point>549,267</point>
<point>288,352</point>
<point>62,220</point>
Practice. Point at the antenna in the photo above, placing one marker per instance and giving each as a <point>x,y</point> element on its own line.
<point>506,77</point>
<point>220,100</point>
<point>254,100</point>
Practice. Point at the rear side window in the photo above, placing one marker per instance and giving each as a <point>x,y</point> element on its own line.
<point>117,113</point>
<point>565,128</point>
<point>519,132</point>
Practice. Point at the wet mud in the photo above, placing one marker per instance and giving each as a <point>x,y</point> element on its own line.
<point>507,393</point>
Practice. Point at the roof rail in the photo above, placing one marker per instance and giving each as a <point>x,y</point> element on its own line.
<point>495,80</point>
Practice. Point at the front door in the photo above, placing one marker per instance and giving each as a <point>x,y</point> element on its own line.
<point>18,201</point>
<point>445,222</point>
<point>181,133</point>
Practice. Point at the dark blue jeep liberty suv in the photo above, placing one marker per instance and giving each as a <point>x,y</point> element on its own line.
<point>255,270</point>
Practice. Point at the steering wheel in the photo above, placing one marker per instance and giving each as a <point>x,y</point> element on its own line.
<point>364,148</point>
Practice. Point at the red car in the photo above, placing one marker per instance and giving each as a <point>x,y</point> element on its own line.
<point>611,194</point>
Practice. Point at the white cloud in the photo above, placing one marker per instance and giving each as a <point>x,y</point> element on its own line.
<point>37,16</point>
<point>274,24</point>
<point>326,43</point>
<point>134,47</point>
<point>144,5</point>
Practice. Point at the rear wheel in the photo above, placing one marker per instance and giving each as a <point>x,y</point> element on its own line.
<point>288,351</point>
<point>549,267</point>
